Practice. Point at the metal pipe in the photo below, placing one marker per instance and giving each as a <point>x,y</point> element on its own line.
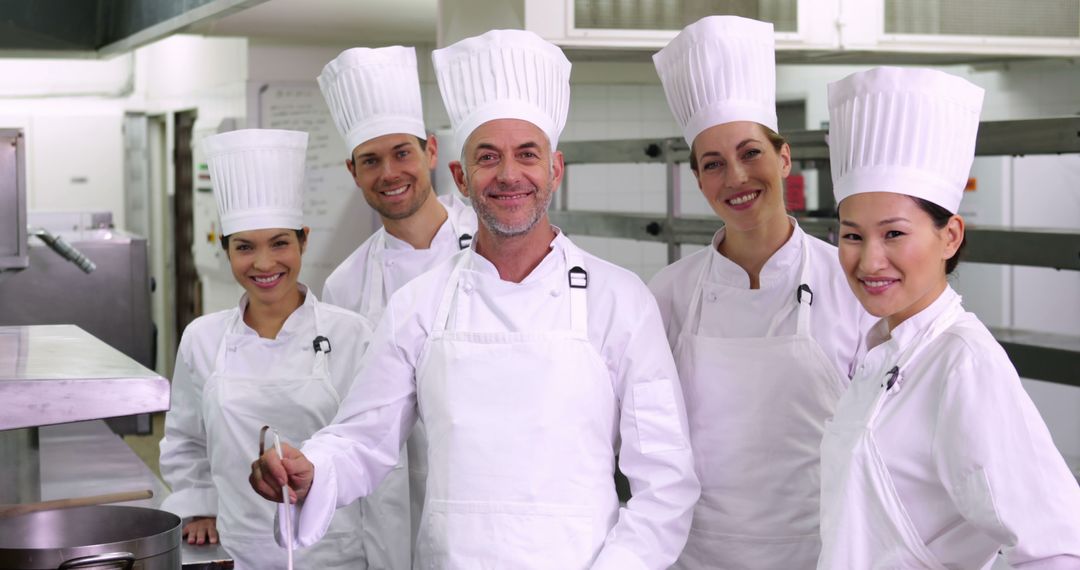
<point>57,244</point>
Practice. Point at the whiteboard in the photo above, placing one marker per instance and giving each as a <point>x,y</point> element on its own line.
<point>334,207</point>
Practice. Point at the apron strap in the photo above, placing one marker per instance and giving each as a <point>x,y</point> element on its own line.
<point>321,346</point>
<point>693,313</point>
<point>458,228</point>
<point>578,280</point>
<point>944,321</point>
<point>891,380</point>
<point>804,297</point>
<point>373,284</point>
<point>442,316</point>
<point>219,358</point>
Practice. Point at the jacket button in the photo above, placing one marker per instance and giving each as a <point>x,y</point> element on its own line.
<point>711,297</point>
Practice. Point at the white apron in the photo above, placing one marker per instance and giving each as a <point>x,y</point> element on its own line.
<point>236,404</point>
<point>757,409</point>
<point>863,522</point>
<point>521,427</point>
<point>391,514</point>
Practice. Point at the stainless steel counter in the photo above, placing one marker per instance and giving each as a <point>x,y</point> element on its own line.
<point>51,374</point>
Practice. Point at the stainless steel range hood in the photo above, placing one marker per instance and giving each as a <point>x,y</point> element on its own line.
<point>100,28</point>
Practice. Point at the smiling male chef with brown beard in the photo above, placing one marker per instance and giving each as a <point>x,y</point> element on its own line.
<point>374,99</point>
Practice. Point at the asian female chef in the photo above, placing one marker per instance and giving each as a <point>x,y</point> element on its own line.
<point>762,324</point>
<point>280,358</point>
<point>936,457</point>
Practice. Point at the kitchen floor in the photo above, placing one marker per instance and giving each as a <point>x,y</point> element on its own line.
<point>146,446</point>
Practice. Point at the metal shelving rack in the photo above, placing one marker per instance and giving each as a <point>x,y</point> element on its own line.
<point>1042,356</point>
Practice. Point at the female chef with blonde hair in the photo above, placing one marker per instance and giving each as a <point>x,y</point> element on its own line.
<point>762,323</point>
<point>281,358</point>
<point>936,457</point>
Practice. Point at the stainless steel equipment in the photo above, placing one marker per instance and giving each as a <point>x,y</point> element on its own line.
<point>65,250</point>
<point>13,245</point>
<point>19,480</point>
<point>60,373</point>
<point>91,537</point>
<point>87,458</point>
<point>112,303</point>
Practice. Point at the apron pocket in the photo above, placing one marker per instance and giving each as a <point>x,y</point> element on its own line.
<point>657,418</point>
<point>479,534</point>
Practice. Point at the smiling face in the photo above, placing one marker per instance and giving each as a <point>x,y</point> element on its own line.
<point>741,174</point>
<point>509,173</point>
<point>893,253</point>
<point>394,173</point>
<point>266,263</point>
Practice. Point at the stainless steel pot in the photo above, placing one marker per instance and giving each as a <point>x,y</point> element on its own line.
<point>98,537</point>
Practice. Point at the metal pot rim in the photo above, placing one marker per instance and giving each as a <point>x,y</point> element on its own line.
<point>146,546</point>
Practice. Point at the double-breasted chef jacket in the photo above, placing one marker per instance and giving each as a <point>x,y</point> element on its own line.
<point>969,465</point>
<point>761,370</point>
<point>227,383</point>
<point>355,285</point>
<point>520,498</point>
<point>747,313</point>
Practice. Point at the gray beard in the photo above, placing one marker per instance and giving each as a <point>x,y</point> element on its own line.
<point>492,223</point>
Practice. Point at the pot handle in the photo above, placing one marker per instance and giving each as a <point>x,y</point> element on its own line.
<point>84,561</point>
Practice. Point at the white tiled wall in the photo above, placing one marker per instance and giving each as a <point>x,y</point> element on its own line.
<point>622,111</point>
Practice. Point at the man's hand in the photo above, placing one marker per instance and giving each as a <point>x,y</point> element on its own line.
<point>269,473</point>
<point>201,530</point>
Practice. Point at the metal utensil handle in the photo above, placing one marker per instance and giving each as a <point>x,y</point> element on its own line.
<point>285,498</point>
<point>95,559</point>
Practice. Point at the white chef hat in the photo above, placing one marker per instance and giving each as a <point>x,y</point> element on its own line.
<point>718,70</point>
<point>373,92</point>
<point>258,178</point>
<point>904,130</point>
<point>504,74</point>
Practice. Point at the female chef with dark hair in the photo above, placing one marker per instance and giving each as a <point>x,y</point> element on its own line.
<point>762,324</point>
<point>281,358</point>
<point>936,457</point>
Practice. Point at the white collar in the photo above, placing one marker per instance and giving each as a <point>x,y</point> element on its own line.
<point>292,324</point>
<point>779,270</point>
<point>484,266</point>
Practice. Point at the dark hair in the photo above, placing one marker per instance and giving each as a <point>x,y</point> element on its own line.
<point>300,235</point>
<point>420,141</point>
<point>774,138</point>
<point>941,216</point>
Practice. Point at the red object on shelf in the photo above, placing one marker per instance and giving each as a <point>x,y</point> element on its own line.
<point>795,193</point>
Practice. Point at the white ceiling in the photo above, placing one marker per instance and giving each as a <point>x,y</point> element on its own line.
<point>359,22</point>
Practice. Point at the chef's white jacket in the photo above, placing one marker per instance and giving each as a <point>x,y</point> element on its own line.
<point>353,454</point>
<point>400,261</point>
<point>185,464</point>
<point>970,457</point>
<point>730,309</point>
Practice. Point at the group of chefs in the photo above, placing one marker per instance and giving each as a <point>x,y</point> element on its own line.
<point>463,391</point>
